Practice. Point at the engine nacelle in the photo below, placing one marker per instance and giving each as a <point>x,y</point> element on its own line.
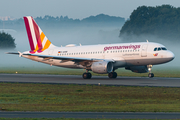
<point>137,69</point>
<point>102,67</point>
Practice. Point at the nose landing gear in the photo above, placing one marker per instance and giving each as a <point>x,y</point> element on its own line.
<point>150,75</point>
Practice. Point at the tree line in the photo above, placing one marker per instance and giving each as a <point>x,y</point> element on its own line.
<point>65,21</point>
<point>6,41</point>
<point>161,21</point>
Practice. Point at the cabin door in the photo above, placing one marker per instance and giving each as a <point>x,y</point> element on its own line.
<point>144,51</point>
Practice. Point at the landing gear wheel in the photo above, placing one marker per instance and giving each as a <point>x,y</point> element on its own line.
<point>87,75</point>
<point>150,75</point>
<point>112,75</point>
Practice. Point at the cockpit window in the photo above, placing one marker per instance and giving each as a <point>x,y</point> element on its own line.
<point>159,48</point>
<point>163,48</point>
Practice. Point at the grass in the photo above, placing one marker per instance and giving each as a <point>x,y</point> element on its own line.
<point>54,97</point>
<point>158,71</point>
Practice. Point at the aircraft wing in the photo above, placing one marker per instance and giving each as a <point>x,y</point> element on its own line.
<point>77,60</point>
<point>63,57</point>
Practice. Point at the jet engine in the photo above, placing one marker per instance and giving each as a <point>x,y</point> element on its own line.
<point>137,69</point>
<point>102,67</point>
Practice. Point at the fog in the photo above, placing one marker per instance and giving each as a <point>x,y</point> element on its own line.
<point>76,35</point>
<point>59,37</point>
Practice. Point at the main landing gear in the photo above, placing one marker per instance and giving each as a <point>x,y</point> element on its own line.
<point>112,75</point>
<point>87,75</point>
<point>150,75</point>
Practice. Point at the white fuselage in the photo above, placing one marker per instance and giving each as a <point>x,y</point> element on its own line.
<point>122,55</point>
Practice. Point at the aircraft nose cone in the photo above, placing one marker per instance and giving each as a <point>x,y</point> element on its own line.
<point>170,55</point>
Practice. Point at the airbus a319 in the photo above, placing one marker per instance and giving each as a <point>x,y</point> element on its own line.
<point>138,57</point>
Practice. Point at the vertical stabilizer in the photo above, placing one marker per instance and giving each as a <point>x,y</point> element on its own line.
<point>37,40</point>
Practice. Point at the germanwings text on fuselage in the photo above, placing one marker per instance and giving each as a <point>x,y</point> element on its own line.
<point>134,47</point>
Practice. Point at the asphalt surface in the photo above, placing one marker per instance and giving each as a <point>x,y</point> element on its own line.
<point>90,115</point>
<point>96,80</point>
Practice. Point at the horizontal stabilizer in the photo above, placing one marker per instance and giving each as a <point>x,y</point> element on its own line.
<point>15,53</point>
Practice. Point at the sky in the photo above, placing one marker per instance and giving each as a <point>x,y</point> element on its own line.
<point>76,9</point>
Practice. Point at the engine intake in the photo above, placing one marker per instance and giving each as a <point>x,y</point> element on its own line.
<point>102,67</point>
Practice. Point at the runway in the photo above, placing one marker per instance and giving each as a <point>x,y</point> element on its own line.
<point>95,80</point>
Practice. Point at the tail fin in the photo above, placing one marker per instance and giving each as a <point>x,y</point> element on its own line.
<point>37,40</point>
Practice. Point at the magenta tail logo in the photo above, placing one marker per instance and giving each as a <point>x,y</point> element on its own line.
<point>37,40</point>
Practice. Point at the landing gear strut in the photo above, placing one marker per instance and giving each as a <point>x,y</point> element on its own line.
<point>87,75</point>
<point>150,75</point>
<point>112,75</point>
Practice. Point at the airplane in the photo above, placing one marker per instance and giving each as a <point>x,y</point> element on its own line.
<point>138,57</point>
